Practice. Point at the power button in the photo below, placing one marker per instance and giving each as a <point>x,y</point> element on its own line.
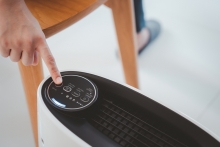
<point>59,85</point>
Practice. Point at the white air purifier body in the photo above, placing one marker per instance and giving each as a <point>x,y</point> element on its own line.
<point>88,110</point>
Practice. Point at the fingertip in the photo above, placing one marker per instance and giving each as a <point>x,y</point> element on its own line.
<point>58,80</point>
<point>35,62</point>
<point>50,62</point>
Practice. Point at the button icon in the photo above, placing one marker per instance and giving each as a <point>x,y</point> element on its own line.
<point>67,88</point>
<point>75,93</point>
<point>88,95</point>
<point>84,99</point>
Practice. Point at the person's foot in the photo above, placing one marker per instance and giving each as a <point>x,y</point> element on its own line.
<point>143,38</point>
<point>147,35</point>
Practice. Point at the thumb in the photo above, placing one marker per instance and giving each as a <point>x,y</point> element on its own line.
<point>49,60</point>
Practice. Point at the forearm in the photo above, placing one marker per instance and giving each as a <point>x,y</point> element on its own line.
<point>6,3</point>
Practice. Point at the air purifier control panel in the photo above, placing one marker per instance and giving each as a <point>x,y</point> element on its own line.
<point>74,94</point>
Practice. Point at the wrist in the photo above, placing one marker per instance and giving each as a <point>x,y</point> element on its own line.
<point>10,3</point>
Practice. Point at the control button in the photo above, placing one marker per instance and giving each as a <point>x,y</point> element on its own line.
<point>84,99</point>
<point>59,85</point>
<point>67,96</point>
<point>67,88</point>
<point>88,95</point>
<point>76,93</point>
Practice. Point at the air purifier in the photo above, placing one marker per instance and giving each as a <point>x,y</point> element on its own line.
<point>88,110</point>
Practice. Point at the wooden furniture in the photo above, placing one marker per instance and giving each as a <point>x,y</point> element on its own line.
<point>56,15</point>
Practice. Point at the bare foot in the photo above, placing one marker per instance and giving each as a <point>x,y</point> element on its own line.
<point>142,38</point>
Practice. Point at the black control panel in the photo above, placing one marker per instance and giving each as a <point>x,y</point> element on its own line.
<point>74,94</point>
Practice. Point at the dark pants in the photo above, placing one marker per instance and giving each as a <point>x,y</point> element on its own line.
<point>139,15</point>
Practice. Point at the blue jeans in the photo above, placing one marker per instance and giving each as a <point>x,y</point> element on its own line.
<point>139,15</point>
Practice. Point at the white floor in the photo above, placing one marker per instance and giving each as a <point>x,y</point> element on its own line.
<point>180,69</point>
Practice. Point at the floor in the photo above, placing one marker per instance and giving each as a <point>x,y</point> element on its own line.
<point>180,69</point>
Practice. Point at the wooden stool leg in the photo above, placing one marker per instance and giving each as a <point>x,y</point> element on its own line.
<point>123,13</point>
<point>31,78</point>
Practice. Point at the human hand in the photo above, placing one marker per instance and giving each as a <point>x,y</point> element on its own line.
<point>21,37</point>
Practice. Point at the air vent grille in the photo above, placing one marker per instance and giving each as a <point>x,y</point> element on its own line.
<point>130,130</point>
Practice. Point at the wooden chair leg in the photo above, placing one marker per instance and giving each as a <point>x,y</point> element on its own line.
<point>123,13</point>
<point>31,78</point>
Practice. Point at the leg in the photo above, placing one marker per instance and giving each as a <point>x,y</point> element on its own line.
<point>143,34</point>
<point>146,31</point>
<point>31,78</point>
<point>139,15</point>
<point>123,13</point>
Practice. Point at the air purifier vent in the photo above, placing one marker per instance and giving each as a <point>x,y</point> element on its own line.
<point>130,128</point>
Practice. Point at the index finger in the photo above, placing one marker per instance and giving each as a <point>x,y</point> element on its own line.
<point>50,62</point>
